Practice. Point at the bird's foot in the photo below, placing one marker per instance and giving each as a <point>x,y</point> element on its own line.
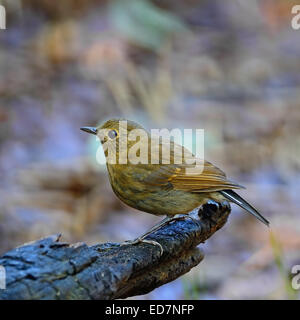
<point>161,224</point>
<point>165,222</point>
<point>140,240</point>
<point>183,217</point>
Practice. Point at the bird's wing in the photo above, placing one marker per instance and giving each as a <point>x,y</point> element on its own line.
<point>211,179</point>
<point>177,176</point>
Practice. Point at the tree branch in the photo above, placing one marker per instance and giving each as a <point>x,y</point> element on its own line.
<point>50,269</point>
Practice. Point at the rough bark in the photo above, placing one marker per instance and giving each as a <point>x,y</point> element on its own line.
<point>50,269</point>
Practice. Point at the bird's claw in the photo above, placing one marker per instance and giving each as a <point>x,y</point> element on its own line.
<point>183,217</point>
<point>140,240</point>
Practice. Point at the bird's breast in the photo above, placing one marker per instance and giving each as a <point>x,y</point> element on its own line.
<point>128,186</point>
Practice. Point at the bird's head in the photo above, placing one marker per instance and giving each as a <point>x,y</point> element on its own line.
<point>114,132</point>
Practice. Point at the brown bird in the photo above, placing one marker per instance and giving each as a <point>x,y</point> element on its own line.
<point>164,188</point>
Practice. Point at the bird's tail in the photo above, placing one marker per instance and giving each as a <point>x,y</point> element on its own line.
<point>234,197</point>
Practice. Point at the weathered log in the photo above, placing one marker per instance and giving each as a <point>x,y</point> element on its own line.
<point>50,269</point>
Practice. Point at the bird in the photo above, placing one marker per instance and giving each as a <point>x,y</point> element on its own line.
<point>163,188</point>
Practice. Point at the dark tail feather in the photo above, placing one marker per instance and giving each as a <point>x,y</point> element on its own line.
<point>234,197</point>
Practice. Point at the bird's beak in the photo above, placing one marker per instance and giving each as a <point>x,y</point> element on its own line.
<point>91,130</point>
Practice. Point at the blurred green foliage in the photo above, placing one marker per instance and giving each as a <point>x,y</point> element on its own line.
<point>279,261</point>
<point>143,23</point>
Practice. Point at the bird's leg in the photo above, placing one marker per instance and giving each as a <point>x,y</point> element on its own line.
<point>165,222</point>
<point>140,240</point>
<point>142,237</point>
<point>156,227</point>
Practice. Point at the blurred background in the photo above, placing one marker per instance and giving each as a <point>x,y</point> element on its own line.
<point>230,67</point>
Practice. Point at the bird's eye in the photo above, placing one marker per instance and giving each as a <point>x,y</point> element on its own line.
<point>112,134</point>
